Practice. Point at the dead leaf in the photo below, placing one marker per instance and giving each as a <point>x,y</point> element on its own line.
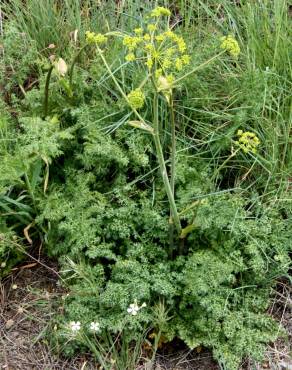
<point>9,323</point>
<point>61,67</point>
<point>25,232</point>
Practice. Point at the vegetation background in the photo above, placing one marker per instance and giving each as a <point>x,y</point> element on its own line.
<point>81,187</point>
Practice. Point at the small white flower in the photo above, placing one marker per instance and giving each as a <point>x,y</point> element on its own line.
<point>95,326</point>
<point>14,286</point>
<point>134,308</point>
<point>75,326</point>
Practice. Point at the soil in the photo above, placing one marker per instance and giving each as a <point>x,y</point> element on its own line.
<point>28,301</point>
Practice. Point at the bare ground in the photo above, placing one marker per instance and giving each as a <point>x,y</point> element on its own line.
<point>28,302</point>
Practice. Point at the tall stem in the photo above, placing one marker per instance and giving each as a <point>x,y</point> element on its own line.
<point>173,145</point>
<point>46,100</point>
<point>161,161</point>
<point>156,138</point>
<point>172,164</point>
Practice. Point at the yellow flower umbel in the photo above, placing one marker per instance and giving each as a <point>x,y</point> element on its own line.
<point>131,42</point>
<point>95,38</point>
<point>229,44</point>
<point>136,99</point>
<point>151,27</point>
<point>161,50</point>
<point>138,31</point>
<point>130,57</point>
<point>247,141</point>
<point>160,11</point>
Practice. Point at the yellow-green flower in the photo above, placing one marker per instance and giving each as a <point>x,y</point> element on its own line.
<point>130,57</point>
<point>160,38</point>
<point>181,44</point>
<point>167,63</point>
<point>151,27</point>
<point>138,31</point>
<point>89,37</point>
<point>185,59</point>
<point>99,38</point>
<point>169,34</point>
<point>149,47</point>
<point>155,54</point>
<point>147,37</point>
<point>131,42</point>
<point>158,72</point>
<point>170,78</point>
<point>169,52</point>
<point>166,51</point>
<point>136,99</point>
<point>95,38</point>
<point>229,44</point>
<point>149,63</point>
<point>247,141</point>
<point>160,11</point>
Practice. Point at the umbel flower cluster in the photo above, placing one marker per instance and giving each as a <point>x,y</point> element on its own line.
<point>95,38</point>
<point>247,141</point>
<point>229,44</point>
<point>136,99</point>
<point>160,49</point>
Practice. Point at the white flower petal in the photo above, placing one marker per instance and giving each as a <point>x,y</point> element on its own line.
<point>75,326</point>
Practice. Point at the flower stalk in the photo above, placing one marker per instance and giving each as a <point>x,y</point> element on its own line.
<point>168,188</point>
<point>47,85</point>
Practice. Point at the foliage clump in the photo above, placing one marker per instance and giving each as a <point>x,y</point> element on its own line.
<point>144,204</point>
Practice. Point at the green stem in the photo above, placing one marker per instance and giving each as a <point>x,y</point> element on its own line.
<point>30,191</point>
<point>118,85</point>
<point>173,144</point>
<point>46,100</point>
<point>172,163</point>
<point>161,161</point>
<point>73,64</point>
<point>175,217</point>
<point>217,171</point>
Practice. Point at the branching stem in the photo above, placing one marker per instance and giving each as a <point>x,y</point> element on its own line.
<point>175,217</point>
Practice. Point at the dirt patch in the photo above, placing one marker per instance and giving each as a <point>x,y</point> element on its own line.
<point>27,304</point>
